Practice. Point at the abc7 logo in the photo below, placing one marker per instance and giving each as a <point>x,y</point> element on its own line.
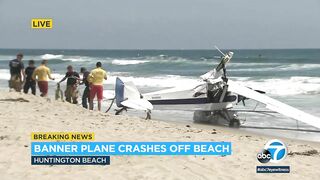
<point>274,151</point>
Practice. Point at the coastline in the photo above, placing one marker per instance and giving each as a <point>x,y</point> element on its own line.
<point>22,114</point>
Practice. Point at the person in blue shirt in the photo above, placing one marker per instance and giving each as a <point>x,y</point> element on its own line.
<point>86,91</point>
<point>29,82</point>
<point>17,77</point>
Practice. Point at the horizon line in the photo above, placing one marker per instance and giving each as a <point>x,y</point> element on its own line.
<point>157,49</point>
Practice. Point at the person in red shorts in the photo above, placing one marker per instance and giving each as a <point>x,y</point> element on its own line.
<point>41,74</point>
<point>95,79</point>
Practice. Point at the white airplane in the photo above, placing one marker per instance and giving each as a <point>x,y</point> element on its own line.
<point>212,99</point>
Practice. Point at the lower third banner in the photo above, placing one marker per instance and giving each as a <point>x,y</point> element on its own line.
<point>70,160</point>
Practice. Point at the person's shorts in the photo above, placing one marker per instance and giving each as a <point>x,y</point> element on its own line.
<point>15,82</point>
<point>96,90</point>
<point>43,87</point>
<point>71,92</point>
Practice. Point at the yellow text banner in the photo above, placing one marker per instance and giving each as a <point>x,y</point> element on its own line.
<point>62,136</point>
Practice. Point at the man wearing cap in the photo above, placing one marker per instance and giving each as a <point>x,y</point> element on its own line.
<point>17,73</point>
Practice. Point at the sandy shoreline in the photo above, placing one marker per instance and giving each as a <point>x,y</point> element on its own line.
<point>19,119</point>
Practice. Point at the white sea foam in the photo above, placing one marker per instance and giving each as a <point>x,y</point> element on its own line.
<point>57,76</point>
<point>51,56</point>
<point>286,86</point>
<point>123,62</point>
<point>279,86</point>
<point>300,66</point>
<point>235,64</point>
<point>287,67</point>
<point>4,74</point>
<point>78,58</point>
<point>157,81</point>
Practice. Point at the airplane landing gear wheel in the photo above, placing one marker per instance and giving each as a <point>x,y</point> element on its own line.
<point>234,123</point>
<point>201,116</point>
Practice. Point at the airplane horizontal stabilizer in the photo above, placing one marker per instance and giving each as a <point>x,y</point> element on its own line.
<point>127,95</point>
<point>138,104</point>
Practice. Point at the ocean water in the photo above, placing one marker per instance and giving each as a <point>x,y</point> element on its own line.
<point>292,76</point>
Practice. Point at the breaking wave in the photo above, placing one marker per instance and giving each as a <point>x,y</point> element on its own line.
<point>128,62</point>
<point>285,87</point>
<point>279,87</point>
<point>274,86</point>
<point>157,81</point>
<point>280,67</point>
<point>4,74</point>
<point>51,56</point>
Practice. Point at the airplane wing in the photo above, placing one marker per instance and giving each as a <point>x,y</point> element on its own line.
<point>274,105</point>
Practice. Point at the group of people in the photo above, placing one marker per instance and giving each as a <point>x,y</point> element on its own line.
<point>27,78</point>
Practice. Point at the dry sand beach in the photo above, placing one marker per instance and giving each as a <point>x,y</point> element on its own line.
<point>22,114</point>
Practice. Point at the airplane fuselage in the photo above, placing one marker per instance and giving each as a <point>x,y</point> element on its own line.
<point>191,98</point>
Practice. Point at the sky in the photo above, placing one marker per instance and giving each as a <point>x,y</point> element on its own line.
<point>161,24</point>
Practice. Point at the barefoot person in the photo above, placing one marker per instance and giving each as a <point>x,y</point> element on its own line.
<point>41,74</point>
<point>30,83</point>
<point>95,79</point>
<point>17,73</point>
<point>71,91</point>
<point>86,91</point>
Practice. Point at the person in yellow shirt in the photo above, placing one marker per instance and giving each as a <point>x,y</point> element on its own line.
<point>95,79</point>
<point>42,74</point>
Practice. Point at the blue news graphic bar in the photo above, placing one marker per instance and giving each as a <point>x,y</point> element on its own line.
<point>70,160</point>
<point>273,169</point>
<point>130,148</point>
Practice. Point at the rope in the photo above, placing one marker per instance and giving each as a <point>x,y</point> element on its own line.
<point>110,105</point>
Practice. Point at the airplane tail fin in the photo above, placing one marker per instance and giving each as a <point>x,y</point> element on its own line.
<point>119,91</point>
<point>127,95</point>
